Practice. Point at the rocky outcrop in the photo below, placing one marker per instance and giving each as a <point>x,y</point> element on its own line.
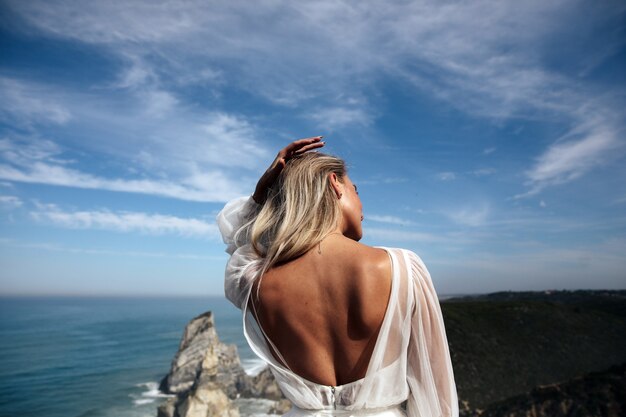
<point>263,385</point>
<point>206,376</point>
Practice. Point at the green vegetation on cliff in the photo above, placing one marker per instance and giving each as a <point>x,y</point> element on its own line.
<point>506,344</point>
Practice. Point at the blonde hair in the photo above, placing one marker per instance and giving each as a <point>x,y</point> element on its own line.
<point>300,210</point>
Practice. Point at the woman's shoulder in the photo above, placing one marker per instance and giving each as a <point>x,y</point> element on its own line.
<point>375,254</point>
<point>367,257</point>
<point>405,259</point>
<point>399,252</point>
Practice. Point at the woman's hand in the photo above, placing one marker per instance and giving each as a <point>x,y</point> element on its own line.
<point>294,148</point>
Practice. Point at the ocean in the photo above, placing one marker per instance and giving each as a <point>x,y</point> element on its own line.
<point>98,356</point>
<point>101,356</point>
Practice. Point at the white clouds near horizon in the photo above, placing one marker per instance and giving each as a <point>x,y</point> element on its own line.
<point>156,224</point>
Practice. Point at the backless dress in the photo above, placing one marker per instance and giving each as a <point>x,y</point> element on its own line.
<point>411,359</point>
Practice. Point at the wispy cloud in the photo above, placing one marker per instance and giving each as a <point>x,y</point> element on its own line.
<point>26,104</point>
<point>585,147</point>
<point>446,176</point>
<point>157,224</point>
<point>388,219</point>
<point>184,155</point>
<point>56,247</point>
<point>37,163</point>
<point>10,202</point>
<point>329,55</point>
<point>382,180</point>
<point>403,235</point>
<point>335,117</point>
<point>482,172</point>
<point>328,49</point>
<point>470,216</point>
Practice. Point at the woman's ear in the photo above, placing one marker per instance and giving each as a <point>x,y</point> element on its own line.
<point>336,184</point>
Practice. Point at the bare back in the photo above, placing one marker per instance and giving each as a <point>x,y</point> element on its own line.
<point>323,311</point>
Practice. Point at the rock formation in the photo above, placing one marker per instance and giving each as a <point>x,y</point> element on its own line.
<point>206,376</point>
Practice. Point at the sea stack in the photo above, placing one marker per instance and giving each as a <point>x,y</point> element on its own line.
<point>206,376</point>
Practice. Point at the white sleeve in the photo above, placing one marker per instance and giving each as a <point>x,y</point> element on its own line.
<point>232,217</point>
<point>243,258</point>
<point>429,374</point>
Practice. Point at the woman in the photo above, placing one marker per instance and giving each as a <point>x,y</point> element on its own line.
<point>345,328</point>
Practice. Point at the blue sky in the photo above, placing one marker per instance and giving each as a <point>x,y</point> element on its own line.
<point>486,136</point>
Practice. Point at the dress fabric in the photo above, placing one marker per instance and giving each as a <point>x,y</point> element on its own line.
<point>411,359</point>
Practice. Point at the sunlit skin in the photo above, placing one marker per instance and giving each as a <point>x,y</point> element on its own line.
<point>324,309</point>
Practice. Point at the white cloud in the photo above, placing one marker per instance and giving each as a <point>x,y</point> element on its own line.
<point>565,161</point>
<point>329,48</point>
<point>126,222</point>
<point>329,53</point>
<point>382,180</point>
<point>10,202</point>
<point>582,149</point>
<point>388,219</point>
<point>30,103</point>
<point>207,164</point>
<point>158,103</point>
<point>56,247</point>
<point>446,176</point>
<point>335,117</point>
<point>214,187</point>
<point>481,172</point>
<point>25,150</point>
<point>402,235</point>
<point>145,128</point>
<point>470,216</point>
<point>136,74</point>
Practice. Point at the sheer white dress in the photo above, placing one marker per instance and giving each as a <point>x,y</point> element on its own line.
<point>411,359</point>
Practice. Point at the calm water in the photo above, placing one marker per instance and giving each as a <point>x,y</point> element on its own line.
<point>96,357</point>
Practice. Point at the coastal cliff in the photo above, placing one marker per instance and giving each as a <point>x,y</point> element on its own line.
<point>597,394</point>
<point>506,344</point>
<point>540,354</point>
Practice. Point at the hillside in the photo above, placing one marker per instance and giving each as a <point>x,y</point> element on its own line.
<point>505,344</point>
<point>597,394</point>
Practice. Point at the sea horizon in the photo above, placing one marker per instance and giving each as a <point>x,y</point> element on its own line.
<point>222,296</point>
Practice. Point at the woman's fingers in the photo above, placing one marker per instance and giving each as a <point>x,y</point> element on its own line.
<point>309,147</point>
<point>297,144</point>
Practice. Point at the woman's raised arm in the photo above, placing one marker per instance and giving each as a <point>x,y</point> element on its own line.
<point>294,148</point>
